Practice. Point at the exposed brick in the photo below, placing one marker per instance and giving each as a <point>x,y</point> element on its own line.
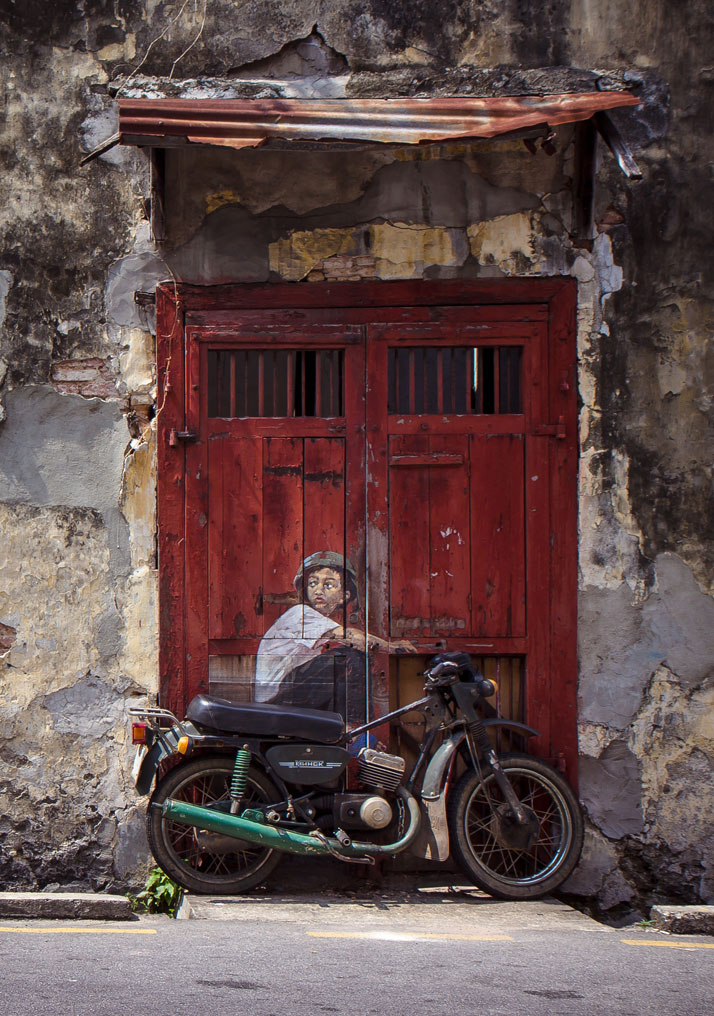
<point>346,268</point>
<point>91,378</point>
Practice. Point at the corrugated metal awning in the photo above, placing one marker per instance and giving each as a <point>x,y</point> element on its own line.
<point>247,123</point>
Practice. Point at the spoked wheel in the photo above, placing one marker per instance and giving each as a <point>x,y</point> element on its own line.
<point>507,860</point>
<point>198,860</point>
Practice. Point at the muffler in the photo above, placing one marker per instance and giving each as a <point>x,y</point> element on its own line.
<point>287,840</point>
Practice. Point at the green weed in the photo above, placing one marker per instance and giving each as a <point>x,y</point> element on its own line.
<point>160,895</point>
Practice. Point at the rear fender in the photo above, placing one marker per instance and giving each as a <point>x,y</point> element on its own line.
<point>163,747</point>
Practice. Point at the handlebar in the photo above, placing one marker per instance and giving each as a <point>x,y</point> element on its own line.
<point>448,668</point>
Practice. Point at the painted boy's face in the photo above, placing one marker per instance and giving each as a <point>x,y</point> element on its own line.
<point>324,590</point>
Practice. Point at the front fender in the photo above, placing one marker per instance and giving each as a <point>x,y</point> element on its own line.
<point>433,841</point>
<point>436,771</point>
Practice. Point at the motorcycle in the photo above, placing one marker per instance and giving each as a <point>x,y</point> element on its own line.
<point>244,783</point>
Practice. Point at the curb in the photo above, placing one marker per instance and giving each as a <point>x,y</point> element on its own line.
<point>683,920</point>
<point>60,906</point>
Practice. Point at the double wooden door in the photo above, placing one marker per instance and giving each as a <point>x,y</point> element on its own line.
<point>425,437</point>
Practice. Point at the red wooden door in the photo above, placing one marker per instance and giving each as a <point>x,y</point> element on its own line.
<point>274,476</point>
<point>430,449</point>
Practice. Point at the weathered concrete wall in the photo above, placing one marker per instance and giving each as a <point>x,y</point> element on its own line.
<point>77,603</point>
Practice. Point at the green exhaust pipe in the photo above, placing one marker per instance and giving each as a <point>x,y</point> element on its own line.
<point>287,840</point>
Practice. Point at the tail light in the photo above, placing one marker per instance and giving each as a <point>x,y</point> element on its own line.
<point>139,732</point>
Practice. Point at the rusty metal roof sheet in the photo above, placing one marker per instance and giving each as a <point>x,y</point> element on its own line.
<point>247,123</point>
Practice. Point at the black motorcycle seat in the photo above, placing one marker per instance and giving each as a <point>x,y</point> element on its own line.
<point>262,719</point>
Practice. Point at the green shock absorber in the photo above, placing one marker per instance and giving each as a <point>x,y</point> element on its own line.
<point>238,780</point>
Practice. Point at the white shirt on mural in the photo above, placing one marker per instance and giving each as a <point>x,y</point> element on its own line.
<point>293,640</point>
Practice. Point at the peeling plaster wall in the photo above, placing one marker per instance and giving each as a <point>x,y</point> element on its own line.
<point>77,518</point>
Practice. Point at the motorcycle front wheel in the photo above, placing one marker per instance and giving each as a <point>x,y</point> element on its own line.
<point>507,861</point>
<point>200,861</point>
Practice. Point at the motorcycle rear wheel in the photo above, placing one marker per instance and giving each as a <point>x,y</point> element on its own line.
<point>205,781</point>
<point>479,830</point>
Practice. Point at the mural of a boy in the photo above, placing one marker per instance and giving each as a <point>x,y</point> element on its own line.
<point>310,656</point>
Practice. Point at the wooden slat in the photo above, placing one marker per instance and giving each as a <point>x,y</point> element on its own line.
<point>467,424</point>
<point>170,494</point>
<point>409,533</point>
<point>377,548</point>
<point>497,527</point>
<point>196,513</point>
<point>426,644</point>
<point>324,498</point>
<point>218,453</point>
<point>563,532</point>
<point>236,530</point>
<point>268,426</point>
<point>538,529</point>
<point>432,459</point>
<point>282,541</point>
<point>404,300</point>
<point>450,539</point>
<point>232,368</point>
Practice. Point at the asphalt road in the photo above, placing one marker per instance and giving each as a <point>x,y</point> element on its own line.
<point>437,957</point>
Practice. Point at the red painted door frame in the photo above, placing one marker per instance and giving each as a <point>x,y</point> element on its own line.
<point>551,465</point>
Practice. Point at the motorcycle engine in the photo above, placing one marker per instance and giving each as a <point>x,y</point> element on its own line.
<point>357,811</point>
<point>378,769</point>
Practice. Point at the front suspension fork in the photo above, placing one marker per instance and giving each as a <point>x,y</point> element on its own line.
<point>480,747</point>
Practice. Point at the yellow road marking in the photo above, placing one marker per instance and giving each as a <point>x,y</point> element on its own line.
<point>80,931</point>
<point>408,936</point>
<point>669,945</point>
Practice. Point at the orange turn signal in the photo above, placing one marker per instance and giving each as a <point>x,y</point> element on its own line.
<point>184,743</point>
<point>138,733</point>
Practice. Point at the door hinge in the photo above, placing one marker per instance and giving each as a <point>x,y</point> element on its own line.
<point>551,429</point>
<point>176,436</point>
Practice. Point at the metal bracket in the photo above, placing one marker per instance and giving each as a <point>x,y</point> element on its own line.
<point>556,430</point>
<point>617,145</point>
<point>177,436</point>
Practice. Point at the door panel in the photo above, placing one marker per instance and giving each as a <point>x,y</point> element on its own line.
<point>430,567</point>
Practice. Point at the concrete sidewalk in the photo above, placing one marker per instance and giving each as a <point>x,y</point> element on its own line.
<point>452,909</point>
<point>436,910</point>
<point>64,906</point>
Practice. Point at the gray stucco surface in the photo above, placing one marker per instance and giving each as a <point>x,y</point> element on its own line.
<point>623,642</point>
<point>65,451</point>
<point>61,450</point>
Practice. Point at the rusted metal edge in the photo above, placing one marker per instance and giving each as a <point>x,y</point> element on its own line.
<point>530,135</point>
<point>246,123</point>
